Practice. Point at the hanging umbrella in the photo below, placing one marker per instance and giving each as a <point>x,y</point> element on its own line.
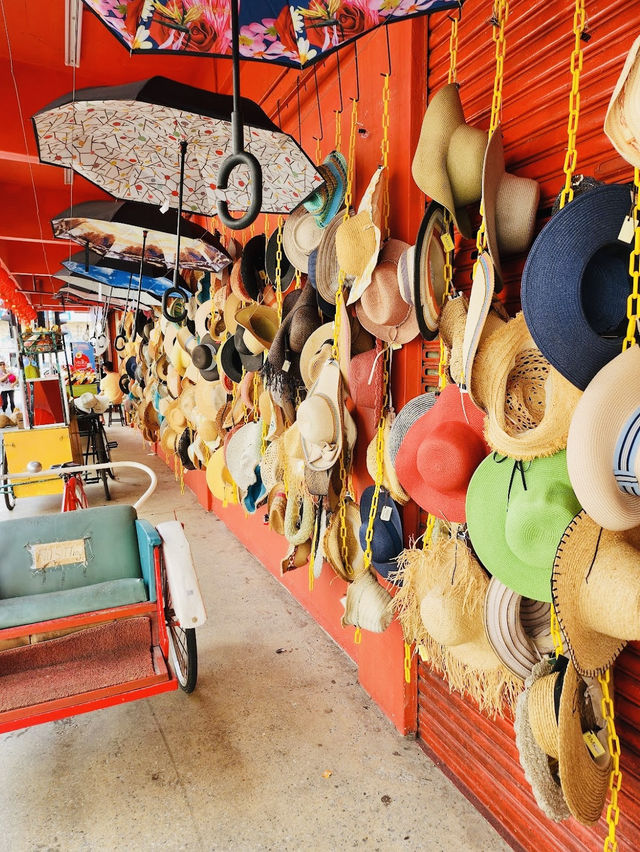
<point>92,266</point>
<point>119,230</point>
<point>85,290</point>
<point>295,35</point>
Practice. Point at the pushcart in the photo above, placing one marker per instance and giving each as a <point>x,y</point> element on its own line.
<point>97,607</point>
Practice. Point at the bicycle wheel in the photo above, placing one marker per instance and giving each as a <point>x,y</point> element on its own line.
<point>107,449</point>
<point>183,648</point>
<point>101,450</point>
<point>7,488</point>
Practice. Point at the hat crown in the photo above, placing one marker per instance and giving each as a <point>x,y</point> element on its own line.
<point>465,158</point>
<point>533,519</point>
<point>315,419</point>
<point>446,620</point>
<point>448,456</point>
<point>355,243</point>
<point>382,300</point>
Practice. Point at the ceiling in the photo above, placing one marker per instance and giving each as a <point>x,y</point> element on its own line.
<point>32,74</point>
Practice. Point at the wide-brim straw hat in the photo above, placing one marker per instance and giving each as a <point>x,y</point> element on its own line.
<point>382,310</point>
<point>404,420</point>
<point>584,779</point>
<point>300,236</point>
<point>529,404</point>
<point>518,629</point>
<point>427,277</point>
<point>390,479</point>
<point>386,537</point>
<point>351,567</point>
<point>168,440</point>
<point>287,269</point>
<point>440,453</point>
<point>596,592</point>
<point>368,605</point>
<point>271,466</point>
<point>576,282</point>
<point>540,771</point>
<point>601,447</point>
<point>447,164</point>
<point>327,266</point>
<point>621,123</point>
<point>232,305</point>
<point>110,387</point>
<point>243,453</point>
<point>210,397</point>
<point>321,417</point>
<point>516,515</point>
<point>510,203</point>
<point>358,237</point>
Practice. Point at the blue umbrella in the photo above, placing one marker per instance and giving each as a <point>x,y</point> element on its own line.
<point>112,277</point>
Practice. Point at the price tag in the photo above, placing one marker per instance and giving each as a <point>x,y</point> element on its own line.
<point>385,514</point>
<point>447,242</point>
<point>627,231</point>
<point>593,744</point>
<point>286,366</point>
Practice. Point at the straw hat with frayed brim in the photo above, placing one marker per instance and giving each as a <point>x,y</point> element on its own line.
<point>447,164</point>
<point>621,123</point>
<point>382,310</point>
<point>428,270</point>
<point>387,537</point>
<point>320,419</point>
<point>510,204</point>
<point>516,515</point>
<point>576,282</point>
<point>596,592</point>
<point>529,404</point>
<point>300,236</point>
<point>517,628</point>
<point>367,605</point>
<point>440,453</point>
<point>358,238</point>
<point>354,565</point>
<point>602,445</point>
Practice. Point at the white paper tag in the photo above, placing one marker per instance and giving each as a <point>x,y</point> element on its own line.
<point>286,366</point>
<point>627,231</point>
<point>385,514</point>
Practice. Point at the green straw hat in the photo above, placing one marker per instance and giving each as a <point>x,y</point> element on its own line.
<point>517,513</point>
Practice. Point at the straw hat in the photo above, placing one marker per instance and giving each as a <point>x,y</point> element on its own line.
<point>296,556</point>
<point>528,403</point>
<point>516,514</point>
<point>382,310</point>
<point>390,479</point>
<point>404,420</point>
<point>602,444</point>
<point>276,506</point>
<point>576,282</point>
<point>447,164</point>
<point>287,269</point>
<point>242,454</point>
<point>621,122</point>
<point>367,605</point>
<point>333,543</point>
<point>299,516</point>
<point>321,417</point>
<point>325,201</point>
<point>596,592</point>
<point>518,629</point>
<point>540,771</point>
<point>439,454</point>
<point>219,481</point>
<point>386,540</point>
<point>300,236</point>
<point>327,266</point>
<point>111,389</point>
<point>231,307</point>
<point>315,352</point>
<point>358,238</point>
<point>427,274</point>
<point>365,388</point>
<point>510,204</point>
<point>168,440</point>
<point>237,284</point>
<point>271,467</point>
<point>210,397</point>
<point>271,414</point>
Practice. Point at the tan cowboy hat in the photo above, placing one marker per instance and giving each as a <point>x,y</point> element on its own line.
<point>320,419</point>
<point>447,164</point>
<point>595,587</point>
<point>296,556</point>
<point>528,402</point>
<point>382,310</point>
<point>358,238</point>
<point>300,236</point>
<point>601,457</point>
<point>260,324</point>
<point>354,565</point>
<point>510,205</point>
<point>621,123</point>
<point>368,605</point>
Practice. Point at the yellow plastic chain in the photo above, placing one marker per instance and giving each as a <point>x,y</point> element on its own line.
<point>181,478</point>
<point>318,151</point>
<point>442,366</point>
<point>267,225</point>
<point>256,395</point>
<point>570,158</point>
<point>633,301</point>
<point>175,467</point>
<point>263,437</point>
<point>278,281</point>
<point>428,531</point>
<point>379,464</point>
<point>448,248</point>
<point>615,779</point>
<point>384,150</point>
<point>407,662</point>
<point>252,230</point>
<point>298,283</point>
<point>453,51</point>
<point>357,637</point>
<point>556,633</point>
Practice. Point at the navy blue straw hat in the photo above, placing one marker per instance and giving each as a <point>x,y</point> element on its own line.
<point>386,543</point>
<point>576,282</point>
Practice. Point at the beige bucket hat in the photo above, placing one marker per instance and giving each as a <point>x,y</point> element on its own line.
<point>622,122</point>
<point>447,164</point>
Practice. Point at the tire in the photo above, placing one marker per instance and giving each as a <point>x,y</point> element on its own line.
<point>183,653</point>
<point>7,488</point>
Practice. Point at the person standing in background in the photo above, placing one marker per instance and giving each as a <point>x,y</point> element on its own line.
<point>8,383</point>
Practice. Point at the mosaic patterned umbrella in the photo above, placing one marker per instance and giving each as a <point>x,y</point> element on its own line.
<point>116,230</point>
<point>127,140</point>
<point>282,33</point>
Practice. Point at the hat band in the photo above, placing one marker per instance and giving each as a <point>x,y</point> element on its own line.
<point>625,456</point>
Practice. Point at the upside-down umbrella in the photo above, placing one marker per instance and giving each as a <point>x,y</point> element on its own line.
<point>92,266</point>
<point>282,33</point>
<point>79,288</point>
<point>121,230</point>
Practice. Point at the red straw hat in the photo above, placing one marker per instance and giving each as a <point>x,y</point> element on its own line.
<point>440,452</point>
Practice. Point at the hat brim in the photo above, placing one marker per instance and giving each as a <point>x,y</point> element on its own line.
<point>229,360</point>
<point>492,171</point>
<point>427,297</point>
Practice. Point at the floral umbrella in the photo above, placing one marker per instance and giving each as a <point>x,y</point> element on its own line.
<point>283,33</point>
<point>122,229</point>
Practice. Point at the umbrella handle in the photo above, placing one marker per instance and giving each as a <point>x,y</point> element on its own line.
<point>123,383</point>
<point>166,313</point>
<point>116,343</point>
<point>241,158</point>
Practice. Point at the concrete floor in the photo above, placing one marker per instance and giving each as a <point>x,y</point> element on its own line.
<point>241,763</point>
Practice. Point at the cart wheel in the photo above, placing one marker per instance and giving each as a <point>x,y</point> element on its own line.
<point>183,653</point>
<point>9,496</point>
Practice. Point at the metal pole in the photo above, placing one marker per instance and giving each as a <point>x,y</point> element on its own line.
<point>237,131</point>
<point>183,157</point>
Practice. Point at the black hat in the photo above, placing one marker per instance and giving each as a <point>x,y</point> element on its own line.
<point>287,270</point>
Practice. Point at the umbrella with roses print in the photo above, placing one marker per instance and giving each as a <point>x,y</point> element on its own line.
<point>294,34</point>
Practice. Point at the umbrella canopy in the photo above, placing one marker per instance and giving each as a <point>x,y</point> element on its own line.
<point>121,229</point>
<point>126,139</point>
<point>91,266</point>
<point>77,288</point>
<point>273,31</point>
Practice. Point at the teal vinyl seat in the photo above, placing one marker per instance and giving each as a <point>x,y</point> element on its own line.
<point>54,566</point>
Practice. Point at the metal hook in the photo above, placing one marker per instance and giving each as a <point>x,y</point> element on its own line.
<point>388,73</point>
<point>339,82</point>
<point>355,55</point>
<point>299,121</point>
<point>315,77</point>
<point>279,119</point>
